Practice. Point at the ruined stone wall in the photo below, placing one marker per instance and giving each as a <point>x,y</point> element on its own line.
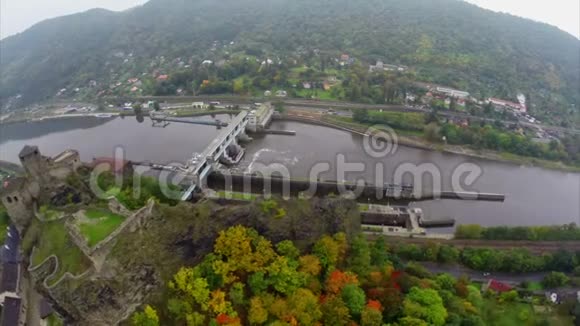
<point>131,224</point>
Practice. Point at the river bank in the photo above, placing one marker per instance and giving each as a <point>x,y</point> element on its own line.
<point>408,140</point>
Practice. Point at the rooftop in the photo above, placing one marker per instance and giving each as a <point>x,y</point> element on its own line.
<point>45,308</point>
<point>11,312</point>
<point>27,150</point>
<point>10,275</point>
<point>12,184</point>
<point>9,252</point>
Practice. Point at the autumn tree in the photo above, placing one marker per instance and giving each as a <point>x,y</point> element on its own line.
<point>188,285</point>
<point>304,307</point>
<point>338,280</point>
<point>257,314</point>
<point>309,264</point>
<point>242,251</point>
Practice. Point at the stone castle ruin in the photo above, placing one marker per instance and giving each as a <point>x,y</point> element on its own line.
<point>45,177</point>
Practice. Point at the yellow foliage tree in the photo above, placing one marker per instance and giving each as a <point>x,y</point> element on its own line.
<point>310,264</point>
<point>187,283</point>
<point>257,314</point>
<point>242,250</point>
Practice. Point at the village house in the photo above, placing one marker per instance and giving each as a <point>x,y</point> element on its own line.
<point>503,104</point>
<point>496,286</point>
<point>13,306</point>
<point>452,92</point>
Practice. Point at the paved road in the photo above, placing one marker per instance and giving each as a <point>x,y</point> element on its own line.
<point>513,279</point>
<point>318,104</point>
<point>459,270</point>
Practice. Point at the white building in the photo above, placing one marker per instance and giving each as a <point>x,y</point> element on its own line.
<point>452,92</point>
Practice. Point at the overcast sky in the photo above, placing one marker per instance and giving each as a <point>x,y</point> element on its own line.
<point>18,15</point>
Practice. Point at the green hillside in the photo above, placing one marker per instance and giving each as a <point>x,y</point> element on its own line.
<point>447,42</point>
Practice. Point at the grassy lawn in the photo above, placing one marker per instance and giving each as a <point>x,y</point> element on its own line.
<point>53,320</point>
<point>49,214</point>
<point>363,207</point>
<point>113,192</point>
<point>508,314</point>
<point>101,223</point>
<point>535,286</point>
<point>53,239</point>
<point>319,94</point>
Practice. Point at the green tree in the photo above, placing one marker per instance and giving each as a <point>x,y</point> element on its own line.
<point>425,304</point>
<point>379,252</point>
<point>446,282</point>
<point>328,251</point>
<point>284,276</point>
<point>236,293</point>
<point>354,298</point>
<point>360,256</point>
<point>411,321</point>
<point>288,249</point>
<point>258,283</point>
<point>469,231</point>
<point>148,317</point>
<point>448,254</point>
<point>371,317</point>
<point>555,279</point>
<point>360,115</point>
<point>431,132</point>
<point>335,312</point>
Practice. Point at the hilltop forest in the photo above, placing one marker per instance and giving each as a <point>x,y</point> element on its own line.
<point>448,42</point>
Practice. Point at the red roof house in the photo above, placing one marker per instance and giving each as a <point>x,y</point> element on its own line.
<point>497,286</point>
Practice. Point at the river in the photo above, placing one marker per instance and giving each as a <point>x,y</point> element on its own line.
<point>534,196</point>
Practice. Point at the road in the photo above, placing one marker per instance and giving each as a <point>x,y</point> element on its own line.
<point>319,104</point>
<point>513,279</point>
<point>459,270</point>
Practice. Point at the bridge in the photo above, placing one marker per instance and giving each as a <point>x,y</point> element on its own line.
<point>160,117</point>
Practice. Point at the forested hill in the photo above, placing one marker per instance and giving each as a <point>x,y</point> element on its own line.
<point>444,41</point>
